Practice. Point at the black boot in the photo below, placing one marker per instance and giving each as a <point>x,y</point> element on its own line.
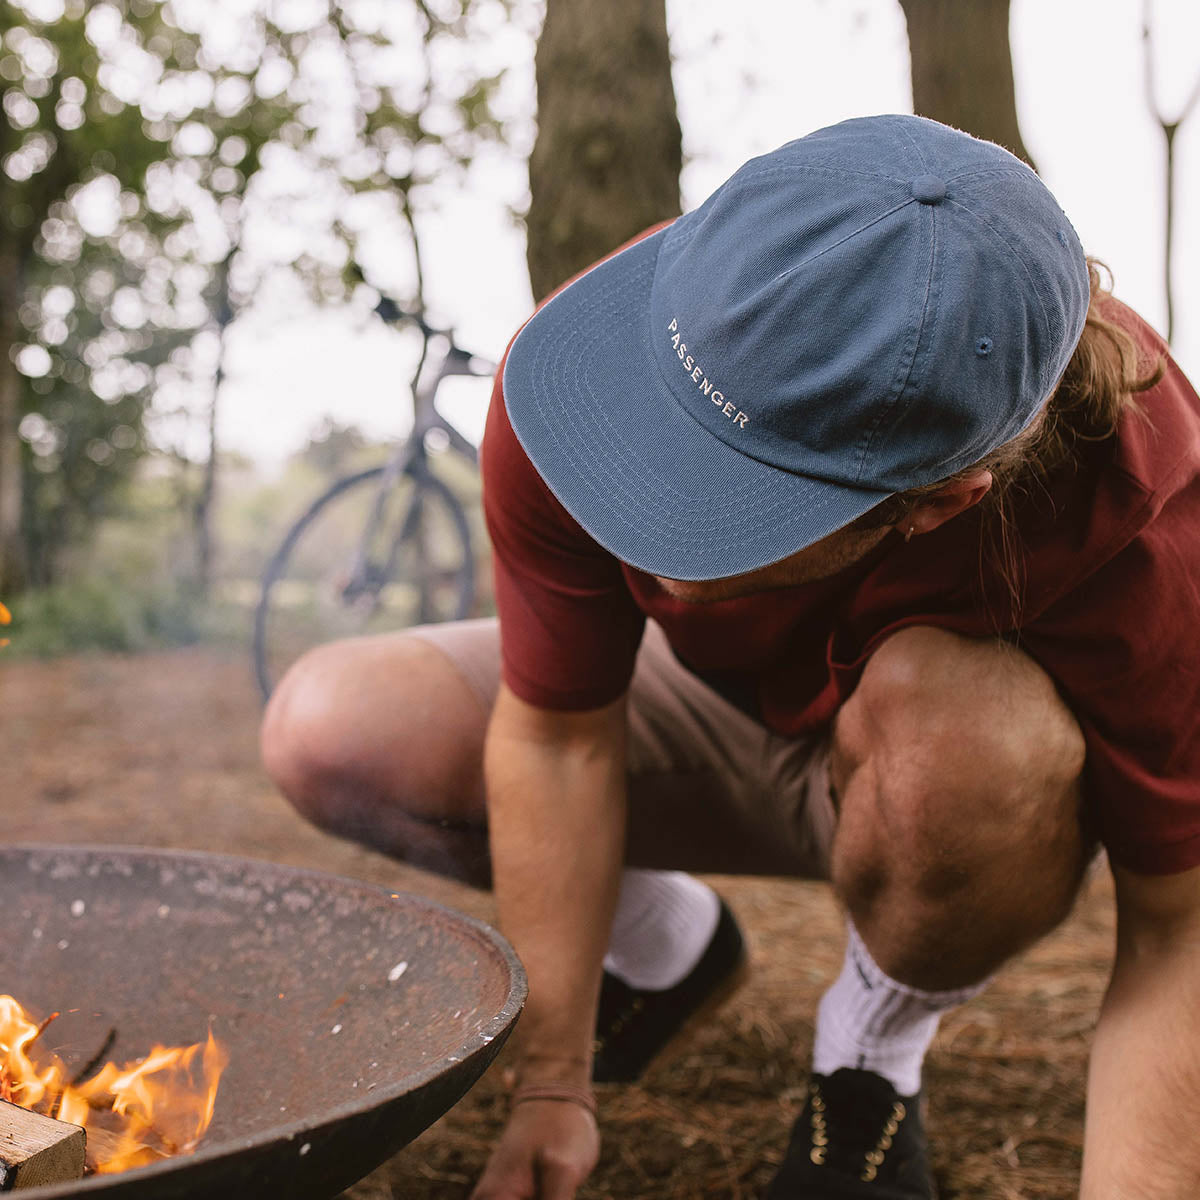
<point>857,1139</point>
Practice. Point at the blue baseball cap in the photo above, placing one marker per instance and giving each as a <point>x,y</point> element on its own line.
<point>865,310</point>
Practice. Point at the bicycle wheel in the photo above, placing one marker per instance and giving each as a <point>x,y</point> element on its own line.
<point>342,570</point>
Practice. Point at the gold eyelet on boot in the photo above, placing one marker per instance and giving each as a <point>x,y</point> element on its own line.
<point>819,1136</point>
<point>874,1158</point>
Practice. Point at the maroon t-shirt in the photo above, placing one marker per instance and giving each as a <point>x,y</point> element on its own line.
<point>1108,559</point>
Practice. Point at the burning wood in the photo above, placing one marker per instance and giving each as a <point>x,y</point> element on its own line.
<point>135,1114</point>
<point>35,1149</point>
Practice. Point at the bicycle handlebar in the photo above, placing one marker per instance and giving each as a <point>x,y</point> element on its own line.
<point>390,313</point>
<point>457,360</point>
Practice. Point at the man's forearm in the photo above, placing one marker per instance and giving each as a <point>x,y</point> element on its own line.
<point>1144,1079</point>
<point>556,808</point>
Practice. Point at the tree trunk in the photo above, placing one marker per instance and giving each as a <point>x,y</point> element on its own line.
<point>202,513</point>
<point>12,546</point>
<point>962,68</point>
<point>608,152</point>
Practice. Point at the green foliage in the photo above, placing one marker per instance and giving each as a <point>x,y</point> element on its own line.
<point>130,586</point>
<point>83,425</point>
<point>64,127</point>
<point>149,153</point>
<point>127,588</point>
<point>97,613</point>
<point>334,448</point>
<point>124,594</point>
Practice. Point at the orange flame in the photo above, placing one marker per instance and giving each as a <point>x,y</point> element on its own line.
<point>135,1114</point>
<point>5,619</point>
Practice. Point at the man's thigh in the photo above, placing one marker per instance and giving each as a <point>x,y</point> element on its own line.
<point>710,789</point>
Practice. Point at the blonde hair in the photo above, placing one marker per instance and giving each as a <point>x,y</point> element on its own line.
<point>1098,388</point>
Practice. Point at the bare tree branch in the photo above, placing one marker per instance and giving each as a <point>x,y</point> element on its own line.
<point>1191,102</point>
<point>1150,75</point>
<point>1169,129</point>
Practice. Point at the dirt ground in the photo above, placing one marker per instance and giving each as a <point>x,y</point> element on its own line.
<point>160,750</point>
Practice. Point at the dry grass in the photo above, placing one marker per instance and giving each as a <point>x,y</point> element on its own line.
<point>161,750</point>
<point>1005,1078</point>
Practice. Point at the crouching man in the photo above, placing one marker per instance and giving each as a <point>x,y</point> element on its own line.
<point>844,528</point>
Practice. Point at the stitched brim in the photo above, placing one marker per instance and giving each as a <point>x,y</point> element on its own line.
<point>645,479</point>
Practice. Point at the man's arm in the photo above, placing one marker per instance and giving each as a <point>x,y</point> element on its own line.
<point>1144,1080</point>
<point>556,811</point>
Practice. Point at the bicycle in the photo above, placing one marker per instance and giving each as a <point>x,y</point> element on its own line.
<point>381,548</point>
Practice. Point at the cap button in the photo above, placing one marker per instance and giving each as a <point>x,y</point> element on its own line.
<point>929,189</point>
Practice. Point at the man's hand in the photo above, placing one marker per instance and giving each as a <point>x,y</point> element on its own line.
<point>547,1150</point>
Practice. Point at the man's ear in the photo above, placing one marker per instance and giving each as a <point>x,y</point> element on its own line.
<point>948,501</point>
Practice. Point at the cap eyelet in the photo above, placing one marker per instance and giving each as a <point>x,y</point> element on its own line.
<point>983,347</point>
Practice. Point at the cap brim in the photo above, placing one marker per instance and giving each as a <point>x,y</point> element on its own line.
<point>644,478</point>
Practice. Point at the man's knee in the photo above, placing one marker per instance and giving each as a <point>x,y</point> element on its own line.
<point>375,722</point>
<point>933,699</point>
<point>300,738</point>
<point>958,769</point>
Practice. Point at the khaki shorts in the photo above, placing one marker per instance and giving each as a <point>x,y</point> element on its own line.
<point>710,789</point>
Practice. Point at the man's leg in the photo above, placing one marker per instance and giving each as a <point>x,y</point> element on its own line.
<point>956,768</point>
<point>959,840</point>
<point>380,740</point>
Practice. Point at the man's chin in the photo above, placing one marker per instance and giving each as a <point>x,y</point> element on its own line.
<point>821,560</point>
<point>711,591</point>
<point>686,593</point>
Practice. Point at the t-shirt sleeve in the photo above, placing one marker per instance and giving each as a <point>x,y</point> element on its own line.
<point>1122,650</point>
<point>569,629</point>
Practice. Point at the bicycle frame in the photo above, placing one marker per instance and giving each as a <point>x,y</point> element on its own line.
<point>375,554</point>
<point>411,455</point>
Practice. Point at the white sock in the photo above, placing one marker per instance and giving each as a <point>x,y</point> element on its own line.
<point>870,1021</point>
<point>663,924</point>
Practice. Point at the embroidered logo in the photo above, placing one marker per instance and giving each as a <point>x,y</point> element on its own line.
<point>698,376</point>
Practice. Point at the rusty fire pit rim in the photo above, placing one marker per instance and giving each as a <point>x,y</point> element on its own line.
<point>496,1028</point>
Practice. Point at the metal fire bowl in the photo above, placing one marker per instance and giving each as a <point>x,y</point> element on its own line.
<point>338,1055</point>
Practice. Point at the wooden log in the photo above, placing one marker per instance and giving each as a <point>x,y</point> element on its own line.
<point>35,1150</point>
<point>101,1146</point>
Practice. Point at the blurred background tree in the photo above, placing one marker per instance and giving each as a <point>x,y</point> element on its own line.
<point>1170,125</point>
<point>141,142</point>
<point>61,131</point>
<point>962,71</point>
<point>607,157</point>
<point>608,152</point>
<point>176,175</point>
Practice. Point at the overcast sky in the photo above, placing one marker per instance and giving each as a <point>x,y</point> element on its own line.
<point>749,77</point>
